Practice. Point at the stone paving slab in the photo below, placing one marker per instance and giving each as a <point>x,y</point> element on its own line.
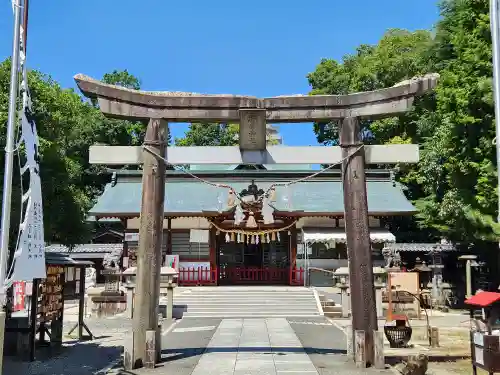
<point>263,346</point>
<point>257,346</point>
<point>326,347</point>
<point>181,351</point>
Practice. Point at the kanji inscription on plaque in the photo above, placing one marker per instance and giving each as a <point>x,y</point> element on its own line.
<point>253,129</point>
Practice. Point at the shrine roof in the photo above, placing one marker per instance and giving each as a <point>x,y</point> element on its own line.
<point>185,196</point>
<point>422,247</point>
<point>269,167</point>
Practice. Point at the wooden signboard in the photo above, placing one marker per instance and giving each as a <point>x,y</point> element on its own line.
<point>51,290</point>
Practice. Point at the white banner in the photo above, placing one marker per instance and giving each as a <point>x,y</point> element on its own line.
<point>29,258</point>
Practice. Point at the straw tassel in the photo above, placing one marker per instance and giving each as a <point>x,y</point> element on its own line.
<point>272,195</point>
<point>231,199</point>
<point>232,237</point>
<point>251,223</point>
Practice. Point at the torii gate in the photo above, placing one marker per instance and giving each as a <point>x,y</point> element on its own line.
<point>160,108</point>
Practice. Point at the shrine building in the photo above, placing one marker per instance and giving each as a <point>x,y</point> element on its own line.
<point>282,219</point>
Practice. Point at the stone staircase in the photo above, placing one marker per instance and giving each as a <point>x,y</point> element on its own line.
<point>245,301</point>
<point>331,308</point>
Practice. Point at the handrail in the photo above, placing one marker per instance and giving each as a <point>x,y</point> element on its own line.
<point>308,273</point>
<point>321,269</point>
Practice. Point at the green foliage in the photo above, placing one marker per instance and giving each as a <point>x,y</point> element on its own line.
<point>400,54</point>
<point>454,185</point>
<point>122,78</point>
<point>67,126</point>
<point>458,170</point>
<point>209,134</point>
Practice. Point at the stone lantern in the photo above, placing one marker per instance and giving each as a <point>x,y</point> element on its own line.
<point>168,277</point>
<point>380,282</point>
<point>341,281</point>
<point>129,276</point>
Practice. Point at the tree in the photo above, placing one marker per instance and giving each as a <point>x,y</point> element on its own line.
<point>454,185</point>
<point>135,129</point>
<point>122,78</point>
<point>67,126</point>
<point>458,168</point>
<point>399,55</point>
<point>213,134</point>
<point>210,134</point>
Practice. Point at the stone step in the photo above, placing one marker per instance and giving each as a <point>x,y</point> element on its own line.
<point>242,288</point>
<point>251,308</point>
<point>237,303</point>
<point>332,308</point>
<point>282,294</point>
<point>242,300</point>
<point>246,302</point>
<point>332,314</point>
<point>249,315</point>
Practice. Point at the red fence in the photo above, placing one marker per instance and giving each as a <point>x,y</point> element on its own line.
<point>240,275</point>
<point>297,276</point>
<point>197,276</point>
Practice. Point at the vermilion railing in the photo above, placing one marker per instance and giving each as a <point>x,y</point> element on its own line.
<point>240,275</point>
<point>297,276</point>
<point>197,276</point>
<point>258,275</point>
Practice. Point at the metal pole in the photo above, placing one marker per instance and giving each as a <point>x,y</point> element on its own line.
<point>495,36</point>
<point>8,171</point>
<point>304,242</point>
<point>9,150</point>
<point>25,26</point>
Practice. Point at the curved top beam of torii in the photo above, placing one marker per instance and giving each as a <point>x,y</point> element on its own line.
<point>120,102</point>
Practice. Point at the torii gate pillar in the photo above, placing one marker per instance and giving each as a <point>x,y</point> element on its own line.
<point>363,305</point>
<point>145,348</point>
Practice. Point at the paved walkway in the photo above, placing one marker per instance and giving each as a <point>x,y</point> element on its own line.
<point>254,346</point>
<point>263,346</point>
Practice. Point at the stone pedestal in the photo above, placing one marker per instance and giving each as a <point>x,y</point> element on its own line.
<point>105,303</point>
<point>345,301</point>
<point>378,300</point>
<point>130,301</point>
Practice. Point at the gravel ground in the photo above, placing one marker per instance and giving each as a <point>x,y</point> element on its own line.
<point>462,367</point>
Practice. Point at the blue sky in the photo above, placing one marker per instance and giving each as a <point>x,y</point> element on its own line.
<point>261,48</point>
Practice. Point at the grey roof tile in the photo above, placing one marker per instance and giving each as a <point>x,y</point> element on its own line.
<point>421,247</point>
<point>191,196</point>
<point>85,248</point>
